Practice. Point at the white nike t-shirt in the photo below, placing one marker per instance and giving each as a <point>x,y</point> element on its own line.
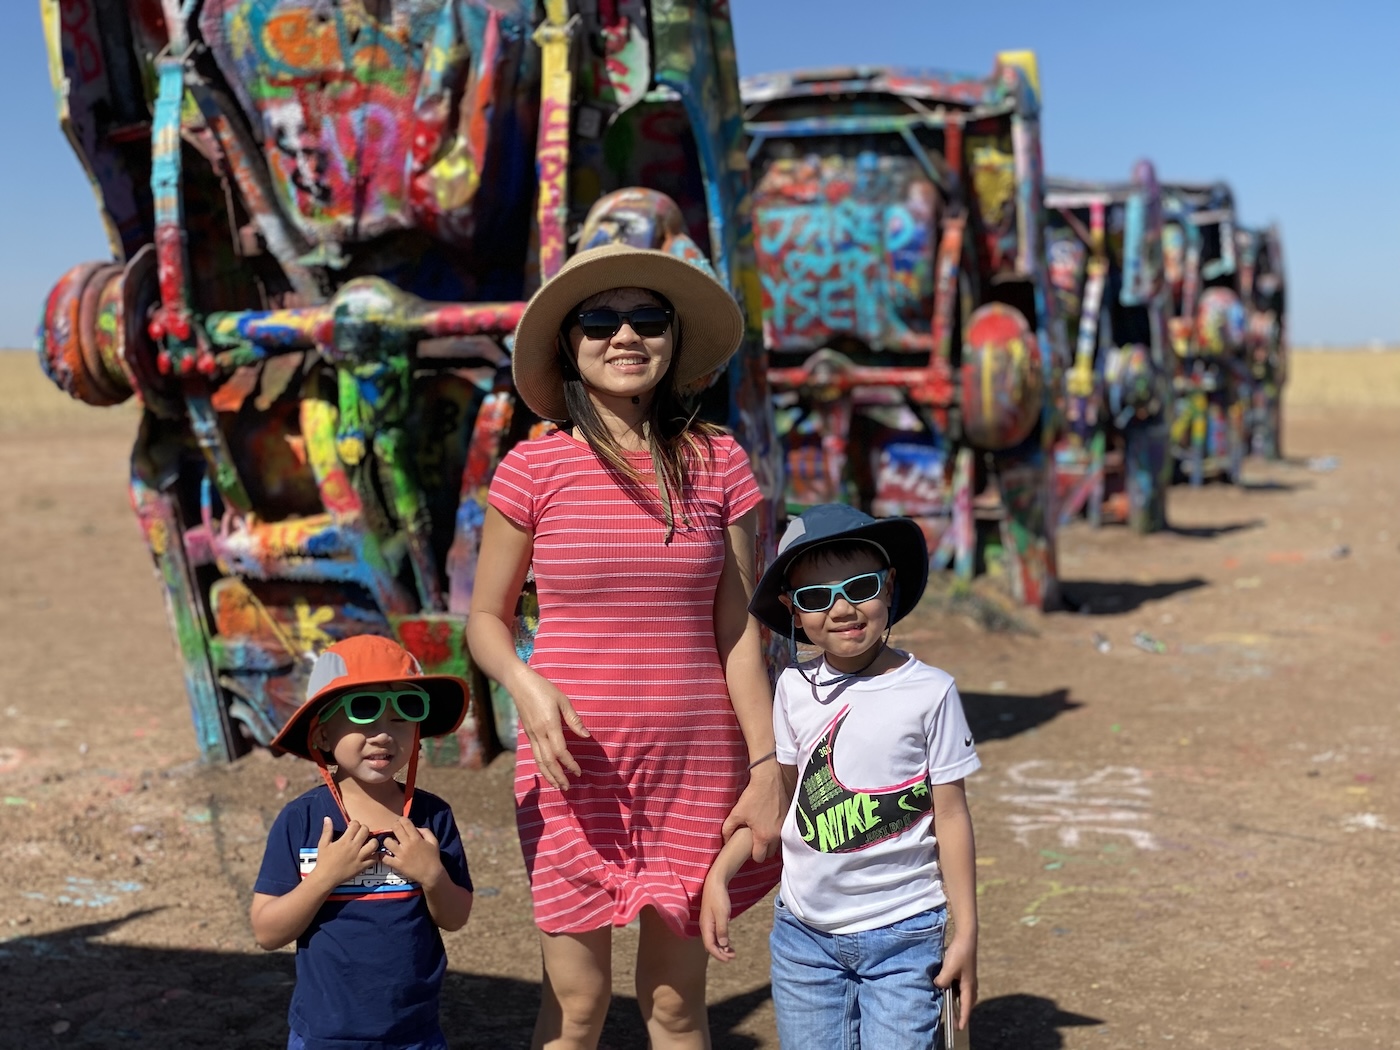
<point>858,845</point>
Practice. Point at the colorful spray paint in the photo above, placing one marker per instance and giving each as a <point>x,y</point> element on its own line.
<point>325,229</point>
<point>1207,331</point>
<point>1105,260</point>
<point>1263,288</point>
<point>907,313</point>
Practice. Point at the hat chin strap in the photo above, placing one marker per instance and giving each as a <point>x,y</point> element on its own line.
<point>409,780</point>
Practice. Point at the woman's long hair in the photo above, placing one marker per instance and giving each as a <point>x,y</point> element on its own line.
<point>677,440</point>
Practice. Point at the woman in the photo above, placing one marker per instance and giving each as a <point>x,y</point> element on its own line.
<point>639,522</point>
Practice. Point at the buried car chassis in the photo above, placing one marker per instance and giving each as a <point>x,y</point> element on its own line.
<point>325,226</point>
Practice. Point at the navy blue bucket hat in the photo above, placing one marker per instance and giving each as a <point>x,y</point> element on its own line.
<point>900,539</point>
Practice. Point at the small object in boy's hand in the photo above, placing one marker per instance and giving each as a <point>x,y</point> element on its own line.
<point>953,1038</point>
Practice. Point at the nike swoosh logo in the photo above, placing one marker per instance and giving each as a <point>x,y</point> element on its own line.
<point>911,809</point>
<point>967,741</point>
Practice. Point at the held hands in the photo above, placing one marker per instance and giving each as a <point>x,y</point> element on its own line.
<point>960,967</point>
<point>342,859</point>
<point>760,809</point>
<point>541,706</point>
<point>715,909</point>
<point>412,853</point>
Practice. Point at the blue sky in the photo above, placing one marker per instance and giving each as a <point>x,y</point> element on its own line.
<point>1296,104</point>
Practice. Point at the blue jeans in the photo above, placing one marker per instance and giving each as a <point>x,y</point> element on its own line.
<point>871,990</point>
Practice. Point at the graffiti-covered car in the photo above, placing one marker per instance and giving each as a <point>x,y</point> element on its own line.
<point>325,220</point>
<point>1207,328</point>
<point>909,323</point>
<point>1262,285</point>
<point>1105,257</point>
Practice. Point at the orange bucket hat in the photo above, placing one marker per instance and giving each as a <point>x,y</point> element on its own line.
<point>360,662</point>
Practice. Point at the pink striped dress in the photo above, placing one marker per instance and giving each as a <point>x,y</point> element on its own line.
<point>627,632</point>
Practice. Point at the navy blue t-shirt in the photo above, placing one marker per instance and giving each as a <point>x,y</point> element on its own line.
<point>370,965</point>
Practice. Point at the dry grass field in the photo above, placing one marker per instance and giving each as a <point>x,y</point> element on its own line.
<point>27,398</point>
<point>1339,378</point>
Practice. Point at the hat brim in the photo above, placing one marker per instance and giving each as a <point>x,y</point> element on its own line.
<point>448,697</point>
<point>711,323</point>
<point>901,539</point>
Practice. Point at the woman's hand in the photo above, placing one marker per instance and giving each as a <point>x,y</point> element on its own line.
<point>760,809</point>
<point>544,710</point>
<point>506,550</point>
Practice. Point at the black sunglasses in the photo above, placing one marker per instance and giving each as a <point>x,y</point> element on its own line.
<point>603,322</point>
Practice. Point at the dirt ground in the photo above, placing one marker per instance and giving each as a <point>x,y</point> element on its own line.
<point>1194,847</point>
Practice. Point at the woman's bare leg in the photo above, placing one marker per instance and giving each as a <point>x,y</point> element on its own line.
<point>671,986</point>
<point>576,990</point>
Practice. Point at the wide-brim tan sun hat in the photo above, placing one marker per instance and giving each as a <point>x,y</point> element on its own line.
<point>711,325</point>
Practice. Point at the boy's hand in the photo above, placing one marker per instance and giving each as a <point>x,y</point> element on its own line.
<point>413,853</point>
<point>715,910</point>
<point>342,859</point>
<point>960,966</point>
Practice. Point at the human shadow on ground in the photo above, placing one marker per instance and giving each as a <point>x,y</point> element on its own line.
<point>997,716</point>
<point>1022,1022</point>
<point>70,989</point>
<point>1110,597</point>
<point>1210,532</point>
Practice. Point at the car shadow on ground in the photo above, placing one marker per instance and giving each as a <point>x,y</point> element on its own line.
<point>1274,485</point>
<point>1211,532</point>
<point>1110,597</point>
<point>997,716</point>
<point>1022,1022</point>
<point>70,989</point>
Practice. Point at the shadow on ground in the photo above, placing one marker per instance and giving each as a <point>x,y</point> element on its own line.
<point>69,989</point>
<point>1110,597</point>
<point>997,716</point>
<point>1022,1022</point>
<point>1273,485</point>
<point>1210,532</point>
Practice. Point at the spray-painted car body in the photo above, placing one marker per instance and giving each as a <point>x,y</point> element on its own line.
<point>909,323</point>
<point>1263,287</point>
<point>1207,329</point>
<point>1105,256</point>
<point>325,220</point>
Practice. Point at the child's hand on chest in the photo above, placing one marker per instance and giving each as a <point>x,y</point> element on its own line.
<point>412,853</point>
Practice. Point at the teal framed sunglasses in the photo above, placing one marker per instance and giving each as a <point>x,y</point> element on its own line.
<point>819,597</point>
<point>368,705</point>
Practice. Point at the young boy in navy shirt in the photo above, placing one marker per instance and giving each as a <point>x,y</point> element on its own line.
<point>877,842</point>
<point>363,871</point>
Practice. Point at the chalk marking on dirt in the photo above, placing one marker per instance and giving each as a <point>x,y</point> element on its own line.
<point>1030,914</point>
<point>1366,822</point>
<point>1109,801</point>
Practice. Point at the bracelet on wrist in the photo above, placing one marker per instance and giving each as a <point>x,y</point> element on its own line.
<point>759,761</point>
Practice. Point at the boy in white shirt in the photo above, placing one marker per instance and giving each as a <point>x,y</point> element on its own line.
<point>877,842</point>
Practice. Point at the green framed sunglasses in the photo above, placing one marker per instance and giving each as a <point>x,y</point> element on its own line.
<point>368,705</point>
